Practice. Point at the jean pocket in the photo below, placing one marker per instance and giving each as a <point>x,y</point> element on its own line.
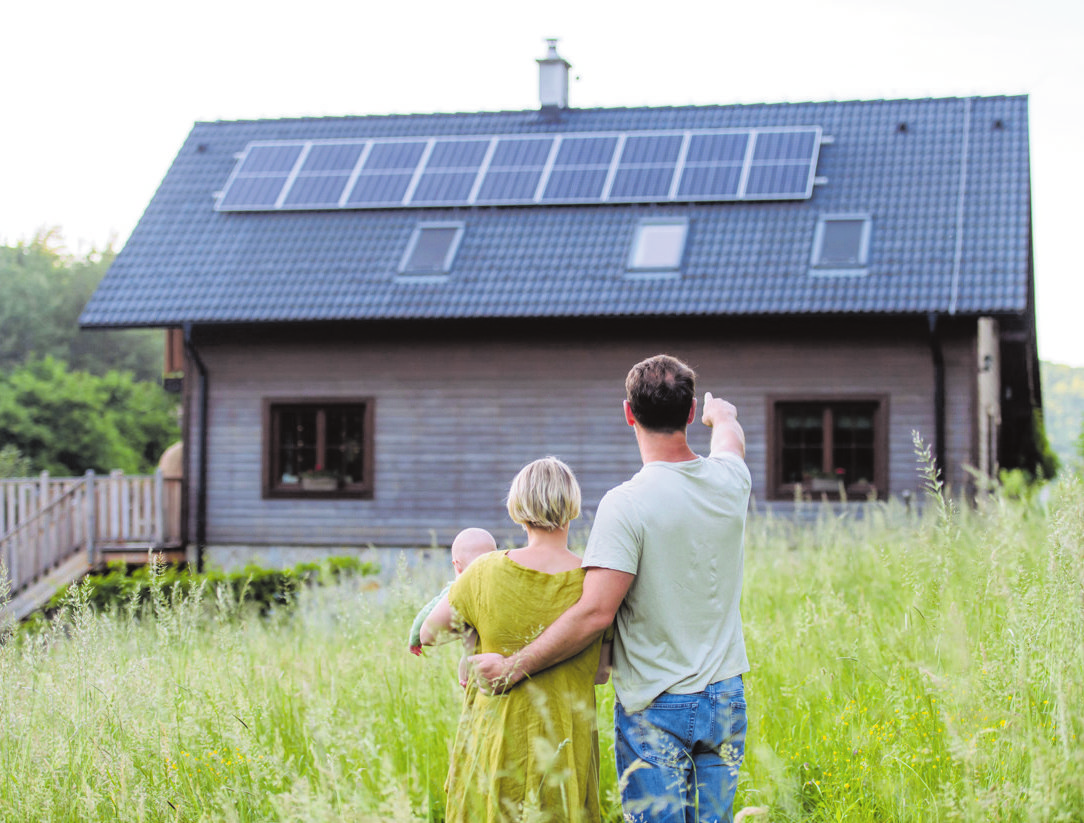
<point>663,732</point>
<point>734,727</point>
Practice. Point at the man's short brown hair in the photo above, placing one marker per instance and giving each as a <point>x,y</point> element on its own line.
<point>660,391</point>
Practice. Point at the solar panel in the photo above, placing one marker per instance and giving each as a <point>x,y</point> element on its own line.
<point>403,156</point>
<point>336,157</point>
<point>579,183</point>
<point>443,187</point>
<point>787,145</point>
<point>652,149</point>
<point>315,191</point>
<point>580,169</point>
<point>586,151</point>
<point>277,158</point>
<point>612,167</point>
<point>252,193</point>
<point>457,154</point>
<point>649,183</point>
<point>521,153</point>
<point>777,179</point>
<point>379,190</point>
<point>645,170</point>
<point>500,185</point>
<point>710,183</point>
<point>515,170</point>
<point>782,165</point>
<point>718,148</point>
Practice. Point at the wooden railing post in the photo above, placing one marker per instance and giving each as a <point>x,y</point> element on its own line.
<point>117,516</point>
<point>13,559</point>
<point>159,509</point>
<point>41,551</point>
<point>90,517</point>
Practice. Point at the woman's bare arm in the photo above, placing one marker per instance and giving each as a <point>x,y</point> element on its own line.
<point>568,635</point>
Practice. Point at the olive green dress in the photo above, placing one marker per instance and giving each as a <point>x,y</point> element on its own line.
<point>530,754</point>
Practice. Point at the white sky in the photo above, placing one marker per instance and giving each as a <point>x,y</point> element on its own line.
<point>100,95</point>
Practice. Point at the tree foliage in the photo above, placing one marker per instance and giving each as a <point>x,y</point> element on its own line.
<point>42,292</point>
<point>66,422</point>
<point>13,463</point>
<point>1063,407</point>
<point>70,399</point>
<point>1080,443</point>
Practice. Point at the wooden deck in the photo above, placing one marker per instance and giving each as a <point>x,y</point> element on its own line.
<point>56,530</point>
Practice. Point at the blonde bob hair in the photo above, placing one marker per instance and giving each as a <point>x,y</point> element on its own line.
<point>544,495</point>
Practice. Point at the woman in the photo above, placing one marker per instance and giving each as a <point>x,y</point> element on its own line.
<point>530,754</point>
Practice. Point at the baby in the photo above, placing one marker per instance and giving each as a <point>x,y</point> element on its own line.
<point>468,545</point>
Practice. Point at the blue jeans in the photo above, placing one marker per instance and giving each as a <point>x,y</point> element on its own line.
<point>678,759</point>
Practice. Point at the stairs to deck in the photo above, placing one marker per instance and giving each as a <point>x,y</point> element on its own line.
<point>54,531</point>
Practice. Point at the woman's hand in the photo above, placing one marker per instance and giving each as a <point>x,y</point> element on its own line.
<point>495,673</point>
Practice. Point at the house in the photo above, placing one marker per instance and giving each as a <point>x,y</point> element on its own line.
<point>382,318</point>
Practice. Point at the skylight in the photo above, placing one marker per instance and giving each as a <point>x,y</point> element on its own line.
<point>658,245</point>
<point>841,242</point>
<point>431,248</point>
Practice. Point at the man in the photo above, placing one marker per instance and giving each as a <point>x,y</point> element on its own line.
<point>664,563</point>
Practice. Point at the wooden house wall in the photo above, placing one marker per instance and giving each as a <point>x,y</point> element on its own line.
<point>456,419</point>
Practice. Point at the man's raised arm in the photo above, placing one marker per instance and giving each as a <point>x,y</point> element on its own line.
<point>727,434</point>
<point>567,636</point>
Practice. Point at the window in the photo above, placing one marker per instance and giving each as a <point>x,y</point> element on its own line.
<point>318,448</point>
<point>658,245</point>
<point>431,248</point>
<point>841,244</point>
<point>820,445</point>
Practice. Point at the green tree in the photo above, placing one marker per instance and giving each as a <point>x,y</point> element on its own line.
<point>1063,406</point>
<point>66,422</point>
<point>12,462</point>
<point>42,292</point>
<point>1080,444</point>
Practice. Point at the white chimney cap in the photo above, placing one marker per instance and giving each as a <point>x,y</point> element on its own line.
<point>553,78</point>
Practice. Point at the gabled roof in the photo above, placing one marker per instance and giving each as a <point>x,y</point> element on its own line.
<point>945,181</point>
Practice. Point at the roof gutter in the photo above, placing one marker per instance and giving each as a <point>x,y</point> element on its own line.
<point>201,489</point>
<point>938,391</point>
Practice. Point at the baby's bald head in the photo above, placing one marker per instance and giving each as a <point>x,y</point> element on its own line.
<point>468,545</point>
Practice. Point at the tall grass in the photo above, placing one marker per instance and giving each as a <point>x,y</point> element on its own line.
<point>906,667</point>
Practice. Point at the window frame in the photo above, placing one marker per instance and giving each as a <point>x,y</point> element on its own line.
<point>413,274</point>
<point>779,490</point>
<point>634,270</point>
<point>817,268</point>
<point>273,406</point>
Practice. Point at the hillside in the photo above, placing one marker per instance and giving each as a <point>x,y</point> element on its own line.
<point>1063,408</point>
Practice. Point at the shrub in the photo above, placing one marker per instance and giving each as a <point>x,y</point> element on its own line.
<point>265,589</point>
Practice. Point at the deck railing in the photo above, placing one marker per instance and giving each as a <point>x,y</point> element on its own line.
<point>56,531</point>
<point>45,521</point>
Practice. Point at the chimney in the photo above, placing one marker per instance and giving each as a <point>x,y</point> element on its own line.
<point>553,79</point>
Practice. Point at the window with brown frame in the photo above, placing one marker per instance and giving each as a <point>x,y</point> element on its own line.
<point>829,447</point>
<point>318,448</point>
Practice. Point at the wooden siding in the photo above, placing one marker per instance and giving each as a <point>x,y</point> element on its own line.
<point>456,419</point>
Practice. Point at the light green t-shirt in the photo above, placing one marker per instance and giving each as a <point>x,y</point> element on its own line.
<point>680,528</point>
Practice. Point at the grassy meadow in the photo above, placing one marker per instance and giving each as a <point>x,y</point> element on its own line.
<point>906,667</point>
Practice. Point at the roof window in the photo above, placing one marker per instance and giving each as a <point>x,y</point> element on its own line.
<point>841,244</point>
<point>431,248</point>
<point>658,245</point>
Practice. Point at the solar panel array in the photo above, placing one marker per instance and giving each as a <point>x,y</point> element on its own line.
<point>614,167</point>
